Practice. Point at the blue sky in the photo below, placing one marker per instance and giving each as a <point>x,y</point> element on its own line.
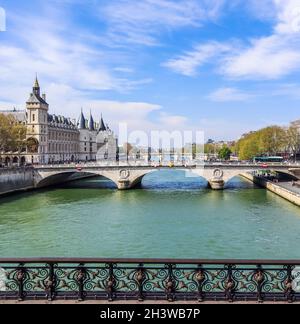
<point>221,66</point>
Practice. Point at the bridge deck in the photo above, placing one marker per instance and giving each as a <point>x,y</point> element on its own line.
<point>179,167</point>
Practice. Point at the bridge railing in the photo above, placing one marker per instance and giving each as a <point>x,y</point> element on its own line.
<point>140,279</point>
<point>166,165</point>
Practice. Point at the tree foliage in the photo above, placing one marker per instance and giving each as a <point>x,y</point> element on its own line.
<point>12,134</point>
<point>225,153</point>
<point>267,142</point>
<point>293,140</point>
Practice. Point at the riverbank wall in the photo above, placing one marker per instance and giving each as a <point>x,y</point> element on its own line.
<point>289,195</point>
<point>15,180</point>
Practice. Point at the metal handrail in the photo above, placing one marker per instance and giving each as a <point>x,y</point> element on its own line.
<point>149,261</point>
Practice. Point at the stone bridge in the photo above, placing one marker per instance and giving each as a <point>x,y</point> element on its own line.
<point>129,176</point>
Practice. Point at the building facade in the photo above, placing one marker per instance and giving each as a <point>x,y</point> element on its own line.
<point>52,139</point>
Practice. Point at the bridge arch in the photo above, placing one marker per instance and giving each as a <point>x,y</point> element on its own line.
<point>137,177</point>
<point>231,174</point>
<point>53,178</point>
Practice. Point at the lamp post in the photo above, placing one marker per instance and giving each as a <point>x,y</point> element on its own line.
<point>149,154</point>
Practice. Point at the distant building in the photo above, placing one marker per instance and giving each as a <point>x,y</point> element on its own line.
<point>57,139</point>
<point>296,123</point>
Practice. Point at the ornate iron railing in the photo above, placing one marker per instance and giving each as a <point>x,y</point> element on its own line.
<point>146,279</point>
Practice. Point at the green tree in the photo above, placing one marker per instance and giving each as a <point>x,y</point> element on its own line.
<point>12,134</point>
<point>224,153</point>
<point>248,148</point>
<point>272,140</point>
<point>264,142</point>
<point>209,148</point>
<point>293,140</point>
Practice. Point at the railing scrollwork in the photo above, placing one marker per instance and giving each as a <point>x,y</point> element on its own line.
<point>144,279</point>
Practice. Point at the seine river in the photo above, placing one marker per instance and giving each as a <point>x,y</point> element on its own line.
<point>172,216</point>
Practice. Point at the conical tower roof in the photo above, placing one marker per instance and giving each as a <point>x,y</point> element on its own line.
<point>91,123</point>
<point>102,127</point>
<point>81,121</point>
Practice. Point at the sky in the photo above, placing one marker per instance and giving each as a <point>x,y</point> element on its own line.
<point>221,66</point>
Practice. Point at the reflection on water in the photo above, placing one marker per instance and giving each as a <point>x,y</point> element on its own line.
<point>171,216</point>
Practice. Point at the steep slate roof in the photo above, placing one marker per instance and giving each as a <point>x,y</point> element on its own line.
<point>91,123</point>
<point>36,99</point>
<point>102,127</point>
<point>35,95</point>
<point>81,121</point>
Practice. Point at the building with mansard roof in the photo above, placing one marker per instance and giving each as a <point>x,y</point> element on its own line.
<point>57,139</point>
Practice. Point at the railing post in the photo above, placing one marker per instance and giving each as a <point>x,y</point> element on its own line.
<point>200,277</point>
<point>80,280</point>
<point>170,284</point>
<point>110,283</point>
<point>259,278</point>
<point>20,278</point>
<point>140,276</point>
<point>51,283</point>
<point>229,284</point>
<point>289,285</point>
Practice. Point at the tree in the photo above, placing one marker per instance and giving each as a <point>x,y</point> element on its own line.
<point>225,153</point>
<point>293,140</point>
<point>271,140</point>
<point>12,134</point>
<point>264,142</point>
<point>248,148</point>
<point>4,132</point>
<point>209,148</point>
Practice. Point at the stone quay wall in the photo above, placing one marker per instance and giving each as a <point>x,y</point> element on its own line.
<point>291,196</point>
<point>14,180</point>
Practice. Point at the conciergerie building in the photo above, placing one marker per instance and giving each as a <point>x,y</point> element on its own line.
<point>57,139</point>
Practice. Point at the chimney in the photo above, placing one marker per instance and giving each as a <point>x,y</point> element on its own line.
<point>44,96</point>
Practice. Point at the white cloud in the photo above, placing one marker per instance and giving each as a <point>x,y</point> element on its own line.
<point>189,63</point>
<point>123,69</point>
<point>141,22</point>
<point>172,121</point>
<point>71,72</point>
<point>269,57</point>
<point>274,56</point>
<point>229,95</point>
<point>288,14</point>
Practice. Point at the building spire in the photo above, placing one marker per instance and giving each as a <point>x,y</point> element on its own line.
<point>91,122</point>
<point>36,86</point>
<point>102,127</point>
<point>81,121</point>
